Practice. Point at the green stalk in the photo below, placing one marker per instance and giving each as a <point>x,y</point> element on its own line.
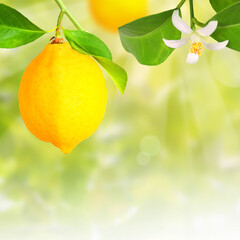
<point>64,10</point>
<point>192,14</point>
<point>59,24</point>
<point>200,24</point>
<point>180,4</point>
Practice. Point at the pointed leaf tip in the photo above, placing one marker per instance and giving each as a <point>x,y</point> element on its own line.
<point>117,73</point>
<point>15,29</point>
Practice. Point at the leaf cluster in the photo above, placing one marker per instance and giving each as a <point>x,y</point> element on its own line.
<point>143,37</point>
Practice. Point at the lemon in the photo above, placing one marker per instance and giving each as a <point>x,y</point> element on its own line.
<point>112,14</point>
<point>62,96</point>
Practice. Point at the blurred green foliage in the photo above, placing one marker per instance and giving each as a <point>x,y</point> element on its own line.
<point>164,164</point>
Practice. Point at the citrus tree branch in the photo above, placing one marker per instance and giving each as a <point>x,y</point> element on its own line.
<point>180,4</point>
<point>64,10</point>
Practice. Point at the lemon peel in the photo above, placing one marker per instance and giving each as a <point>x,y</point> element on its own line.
<point>62,96</point>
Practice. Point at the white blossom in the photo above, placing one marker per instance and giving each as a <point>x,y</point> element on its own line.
<point>195,38</point>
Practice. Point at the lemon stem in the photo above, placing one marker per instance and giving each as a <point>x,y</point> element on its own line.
<point>200,24</point>
<point>59,24</point>
<point>192,14</point>
<point>64,10</point>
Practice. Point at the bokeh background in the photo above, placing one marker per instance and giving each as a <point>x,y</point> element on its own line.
<point>163,165</point>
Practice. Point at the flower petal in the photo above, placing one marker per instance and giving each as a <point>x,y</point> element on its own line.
<point>192,58</point>
<point>180,24</point>
<point>195,38</point>
<point>215,46</point>
<point>208,30</point>
<point>176,43</point>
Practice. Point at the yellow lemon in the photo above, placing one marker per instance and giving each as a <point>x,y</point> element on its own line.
<point>62,96</point>
<point>112,14</point>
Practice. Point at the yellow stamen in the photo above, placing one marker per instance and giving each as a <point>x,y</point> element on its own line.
<point>196,48</point>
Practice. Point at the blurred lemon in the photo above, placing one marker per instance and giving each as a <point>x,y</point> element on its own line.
<point>112,14</point>
<point>62,96</point>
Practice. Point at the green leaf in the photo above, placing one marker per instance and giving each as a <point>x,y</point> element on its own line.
<point>89,43</point>
<point>101,54</point>
<point>228,26</point>
<point>144,37</point>
<point>219,5</point>
<point>117,73</point>
<point>15,29</point>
